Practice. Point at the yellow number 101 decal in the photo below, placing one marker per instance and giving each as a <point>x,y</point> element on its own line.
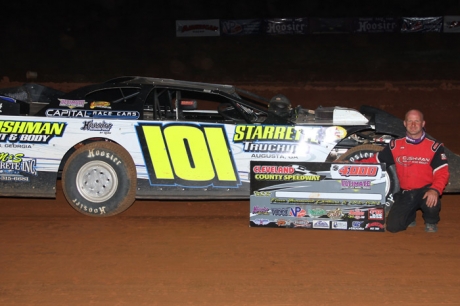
<point>188,155</point>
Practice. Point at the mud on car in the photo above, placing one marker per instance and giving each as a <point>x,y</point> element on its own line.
<point>149,138</point>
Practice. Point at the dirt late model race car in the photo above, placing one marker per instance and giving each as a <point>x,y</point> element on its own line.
<point>149,138</point>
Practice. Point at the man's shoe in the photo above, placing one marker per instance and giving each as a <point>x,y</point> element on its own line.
<point>412,224</point>
<point>431,228</point>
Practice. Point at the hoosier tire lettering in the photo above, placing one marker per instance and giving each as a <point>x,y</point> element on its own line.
<point>99,179</point>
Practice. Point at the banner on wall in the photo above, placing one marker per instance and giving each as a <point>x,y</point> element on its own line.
<point>376,25</point>
<point>451,24</point>
<point>327,196</point>
<point>285,26</point>
<point>191,28</point>
<point>421,24</point>
<point>241,27</point>
<point>331,25</point>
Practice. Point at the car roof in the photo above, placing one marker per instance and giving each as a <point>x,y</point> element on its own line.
<point>135,80</point>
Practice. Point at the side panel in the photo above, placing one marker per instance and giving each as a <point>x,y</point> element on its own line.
<point>173,159</point>
<point>194,160</point>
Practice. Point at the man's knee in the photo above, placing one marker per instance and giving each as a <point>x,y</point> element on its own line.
<point>394,228</point>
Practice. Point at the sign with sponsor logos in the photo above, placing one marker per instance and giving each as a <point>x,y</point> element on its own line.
<point>451,24</point>
<point>235,27</point>
<point>283,26</point>
<point>194,28</point>
<point>421,24</point>
<point>318,195</point>
<point>376,25</point>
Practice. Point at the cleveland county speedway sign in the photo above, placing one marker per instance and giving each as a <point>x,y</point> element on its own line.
<point>333,196</point>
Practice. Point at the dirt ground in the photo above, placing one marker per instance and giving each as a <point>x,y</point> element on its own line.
<point>204,253</point>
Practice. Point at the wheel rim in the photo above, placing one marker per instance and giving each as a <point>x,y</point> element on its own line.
<point>97,181</point>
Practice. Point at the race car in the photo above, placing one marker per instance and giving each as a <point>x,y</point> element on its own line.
<point>150,138</point>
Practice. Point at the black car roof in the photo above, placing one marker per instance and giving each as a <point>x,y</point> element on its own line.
<point>133,80</point>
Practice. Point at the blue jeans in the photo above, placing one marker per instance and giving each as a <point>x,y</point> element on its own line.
<point>405,207</point>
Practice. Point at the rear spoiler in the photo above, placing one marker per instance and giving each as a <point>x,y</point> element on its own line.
<point>385,123</point>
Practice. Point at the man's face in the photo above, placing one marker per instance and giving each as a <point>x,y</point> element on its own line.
<point>414,124</point>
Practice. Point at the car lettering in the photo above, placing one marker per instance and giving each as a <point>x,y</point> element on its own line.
<point>188,155</point>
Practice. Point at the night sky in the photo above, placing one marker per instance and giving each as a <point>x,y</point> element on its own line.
<point>74,36</point>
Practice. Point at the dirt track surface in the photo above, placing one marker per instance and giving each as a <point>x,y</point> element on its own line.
<point>204,253</point>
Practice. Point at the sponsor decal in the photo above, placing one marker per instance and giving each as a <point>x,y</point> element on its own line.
<point>262,193</point>
<point>260,139</point>
<point>361,170</point>
<point>335,214</point>
<point>321,202</point>
<point>443,156</point>
<point>376,214</point>
<point>273,169</point>
<point>408,160</point>
<point>356,214</point>
<point>188,155</point>
<point>321,224</point>
<point>71,103</point>
<point>30,131</point>
<point>286,26</point>
<point>95,114</point>
<point>96,153</point>
<point>297,212</point>
<point>280,177</point>
<point>281,211</point>
<point>100,104</point>
<point>374,226</point>
<point>356,226</point>
<point>339,225</point>
<point>97,211</point>
<point>268,148</point>
<point>376,25</point>
<point>260,210</point>
<point>282,222</point>
<point>454,24</point>
<point>356,184</point>
<point>198,27</point>
<point>13,166</point>
<point>316,212</point>
<point>96,126</point>
<point>261,221</point>
<point>302,223</point>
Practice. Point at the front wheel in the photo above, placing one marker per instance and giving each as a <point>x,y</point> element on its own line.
<point>99,179</point>
<point>354,155</point>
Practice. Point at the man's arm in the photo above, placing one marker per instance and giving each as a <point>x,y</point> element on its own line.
<point>440,170</point>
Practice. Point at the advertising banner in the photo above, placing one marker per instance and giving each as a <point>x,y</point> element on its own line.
<point>376,25</point>
<point>282,26</point>
<point>241,27</point>
<point>331,25</point>
<point>421,24</point>
<point>329,196</point>
<point>190,28</point>
<point>451,24</point>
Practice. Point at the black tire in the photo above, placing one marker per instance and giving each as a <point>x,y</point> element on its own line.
<point>355,154</point>
<point>99,179</point>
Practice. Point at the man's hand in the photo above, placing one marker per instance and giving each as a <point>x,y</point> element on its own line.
<point>431,197</point>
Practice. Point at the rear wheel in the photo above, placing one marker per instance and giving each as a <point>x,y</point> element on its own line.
<point>99,179</point>
<point>354,155</point>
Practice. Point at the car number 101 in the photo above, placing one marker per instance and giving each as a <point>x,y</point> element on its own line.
<point>188,155</point>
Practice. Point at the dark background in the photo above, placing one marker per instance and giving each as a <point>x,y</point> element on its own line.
<point>96,40</point>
